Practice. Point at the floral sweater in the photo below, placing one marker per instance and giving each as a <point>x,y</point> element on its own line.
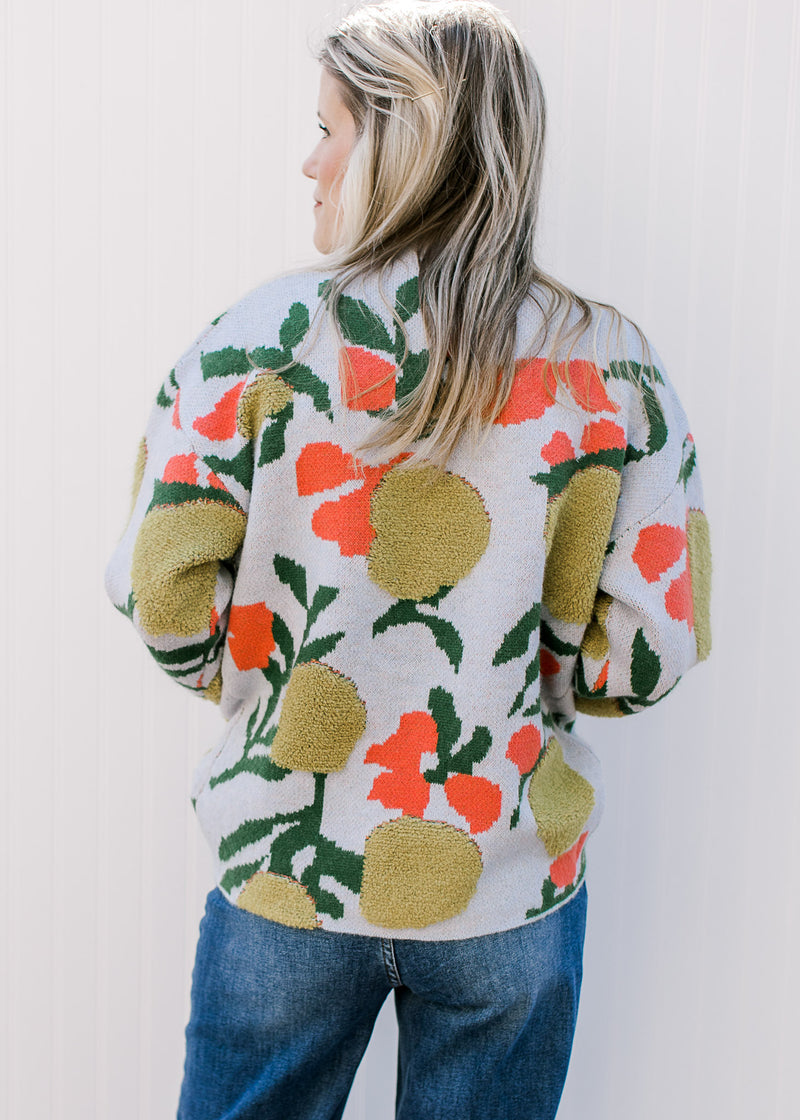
<point>400,653</point>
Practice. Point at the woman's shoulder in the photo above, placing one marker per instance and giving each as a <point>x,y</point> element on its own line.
<point>278,310</point>
<point>273,316</point>
<point>272,298</point>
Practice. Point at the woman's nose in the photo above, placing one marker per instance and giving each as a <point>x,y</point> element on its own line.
<point>309,167</point>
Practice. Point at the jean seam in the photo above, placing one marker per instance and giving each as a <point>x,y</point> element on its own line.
<point>390,962</point>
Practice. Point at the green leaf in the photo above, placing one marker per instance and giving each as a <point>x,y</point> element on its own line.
<point>443,710</point>
<point>275,677</point>
<point>689,463</point>
<point>655,416</point>
<point>320,647</point>
<point>406,611</point>
<point>411,372</point>
<point>531,674</point>
<point>294,576</point>
<point>633,371</point>
<point>302,380</point>
<point>270,357</point>
<point>283,638</point>
<point>580,685</point>
<point>193,670</point>
<point>285,846</point>
<point>398,614</point>
<point>548,721</point>
<point>557,645</point>
<point>645,667</point>
<point>472,752</point>
<point>273,440</point>
<point>557,478</point>
<point>248,832</point>
<point>295,326</point>
<point>240,467</point>
<point>326,902</point>
<point>407,299</point>
<point>624,371</point>
<point>177,493</point>
<point>435,599</point>
<point>446,636</point>
<point>184,653</point>
<point>344,866</point>
<point>361,326</point>
<point>516,641</point>
<point>164,400</point>
<point>224,363</point>
<point>235,876</point>
<point>323,597</point>
<point>550,896</point>
<point>128,609</point>
<point>644,377</point>
<point>252,720</point>
<point>548,893</point>
<point>258,764</point>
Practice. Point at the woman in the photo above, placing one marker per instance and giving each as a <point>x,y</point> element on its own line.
<point>403,518</point>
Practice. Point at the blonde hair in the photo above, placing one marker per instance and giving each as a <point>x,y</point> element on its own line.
<point>447,162</point>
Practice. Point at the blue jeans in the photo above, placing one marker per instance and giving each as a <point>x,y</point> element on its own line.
<point>281,1017</point>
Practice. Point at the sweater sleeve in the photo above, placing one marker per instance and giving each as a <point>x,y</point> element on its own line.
<point>172,572</point>
<point>626,606</point>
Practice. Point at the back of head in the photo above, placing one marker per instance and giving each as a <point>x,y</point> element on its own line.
<point>450,118</point>
<point>447,162</point>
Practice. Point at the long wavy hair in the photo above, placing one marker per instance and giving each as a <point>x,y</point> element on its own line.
<point>447,162</point>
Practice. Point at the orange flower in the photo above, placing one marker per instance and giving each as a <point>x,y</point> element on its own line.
<point>587,387</point>
<point>658,547</point>
<point>475,798</point>
<point>361,373</point>
<point>346,520</point>
<point>534,389</point>
<point>325,466</point>
<point>564,869</point>
<point>603,435</point>
<point>548,664</point>
<point>558,449</point>
<point>531,393</point>
<point>181,468</point>
<point>401,786</point>
<point>220,423</point>
<point>250,637</point>
<point>678,599</point>
<point>524,747</point>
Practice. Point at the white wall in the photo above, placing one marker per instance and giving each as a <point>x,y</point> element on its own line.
<point>151,178</point>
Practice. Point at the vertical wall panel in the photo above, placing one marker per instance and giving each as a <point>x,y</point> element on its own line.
<point>31,346</point>
<point>8,935</point>
<point>152,177</point>
<point>7,772</point>
<point>71,740</point>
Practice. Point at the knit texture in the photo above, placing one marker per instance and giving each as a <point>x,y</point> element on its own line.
<point>400,653</point>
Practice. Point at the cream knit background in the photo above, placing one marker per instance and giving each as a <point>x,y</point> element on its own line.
<point>151,178</point>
